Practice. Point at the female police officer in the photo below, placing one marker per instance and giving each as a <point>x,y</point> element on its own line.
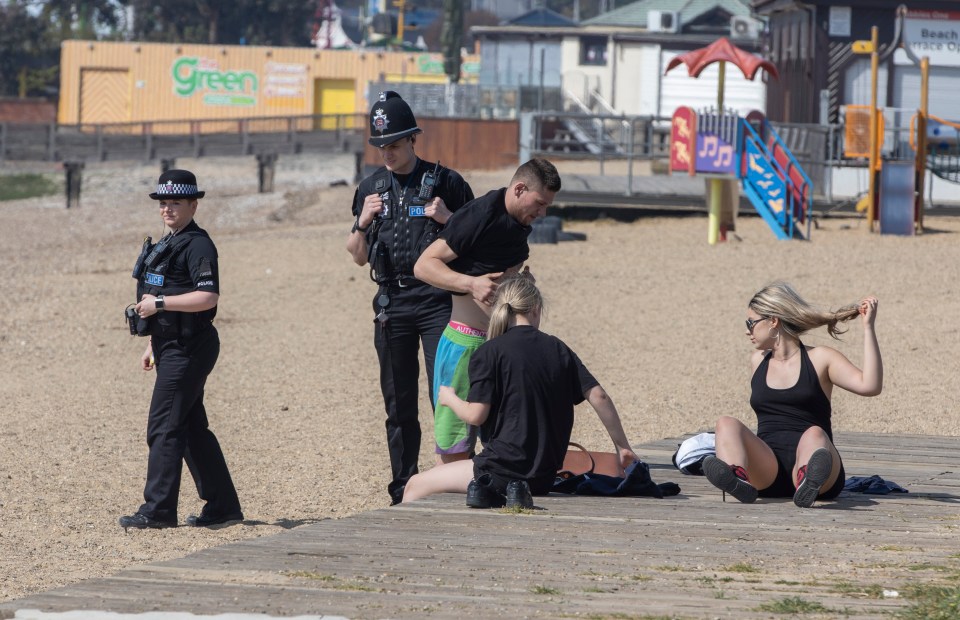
<point>178,288</point>
<point>398,211</point>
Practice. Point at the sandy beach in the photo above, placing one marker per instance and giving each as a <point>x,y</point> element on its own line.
<point>653,310</point>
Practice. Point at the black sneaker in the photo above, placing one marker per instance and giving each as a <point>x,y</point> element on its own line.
<point>730,479</point>
<point>142,522</point>
<point>812,476</point>
<point>481,494</point>
<point>204,520</point>
<point>518,495</point>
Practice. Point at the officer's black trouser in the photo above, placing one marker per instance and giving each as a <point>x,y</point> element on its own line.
<point>416,314</point>
<point>177,430</point>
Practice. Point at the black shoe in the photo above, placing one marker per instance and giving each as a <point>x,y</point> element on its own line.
<point>730,479</point>
<point>142,522</point>
<point>518,494</point>
<point>208,520</point>
<point>812,476</point>
<point>481,494</point>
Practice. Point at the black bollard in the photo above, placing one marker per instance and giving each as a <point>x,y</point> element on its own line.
<point>266,164</point>
<point>167,164</point>
<point>74,178</point>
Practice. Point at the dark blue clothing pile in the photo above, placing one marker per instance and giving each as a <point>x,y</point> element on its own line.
<point>636,483</point>
<point>872,484</point>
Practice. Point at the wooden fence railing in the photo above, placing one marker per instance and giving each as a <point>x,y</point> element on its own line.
<point>147,141</point>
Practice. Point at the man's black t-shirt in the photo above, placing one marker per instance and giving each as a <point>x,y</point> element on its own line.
<point>485,238</point>
<point>532,381</point>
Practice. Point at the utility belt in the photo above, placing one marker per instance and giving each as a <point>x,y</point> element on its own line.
<point>396,282</point>
<point>177,325</point>
<point>389,287</point>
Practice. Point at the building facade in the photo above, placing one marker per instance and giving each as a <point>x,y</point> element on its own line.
<point>120,82</point>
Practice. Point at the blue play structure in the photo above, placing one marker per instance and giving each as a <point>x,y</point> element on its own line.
<point>749,150</point>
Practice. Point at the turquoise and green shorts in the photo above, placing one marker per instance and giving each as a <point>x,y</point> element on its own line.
<point>451,367</point>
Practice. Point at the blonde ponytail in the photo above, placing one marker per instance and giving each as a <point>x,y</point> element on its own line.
<point>515,295</point>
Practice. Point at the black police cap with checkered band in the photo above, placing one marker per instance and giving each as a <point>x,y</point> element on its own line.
<point>175,184</point>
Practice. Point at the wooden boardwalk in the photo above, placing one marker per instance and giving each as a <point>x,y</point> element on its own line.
<point>689,556</point>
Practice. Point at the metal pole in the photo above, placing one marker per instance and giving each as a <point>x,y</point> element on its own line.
<point>872,192</point>
<point>921,154</point>
<point>630,159</point>
<point>540,94</point>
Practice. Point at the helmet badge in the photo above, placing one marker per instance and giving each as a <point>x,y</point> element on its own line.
<point>380,120</point>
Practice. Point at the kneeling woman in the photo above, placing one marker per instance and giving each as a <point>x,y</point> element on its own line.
<point>523,388</point>
<point>792,453</point>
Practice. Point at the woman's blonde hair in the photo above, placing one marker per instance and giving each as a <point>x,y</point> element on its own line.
<point>515,295</point>
<point>797,316</point>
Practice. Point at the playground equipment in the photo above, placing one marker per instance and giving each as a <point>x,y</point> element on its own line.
<point>728,150</point>
<point>943,146</point>
<point>933,145</point>
<point>745,151</point>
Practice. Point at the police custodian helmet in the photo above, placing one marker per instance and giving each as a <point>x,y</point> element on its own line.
<point>391,119</point>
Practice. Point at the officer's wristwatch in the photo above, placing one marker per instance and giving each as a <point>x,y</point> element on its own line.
<point>159,303</point>
<point>356,226</point>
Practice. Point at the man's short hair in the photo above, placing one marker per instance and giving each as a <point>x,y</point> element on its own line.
<point>539,174</point>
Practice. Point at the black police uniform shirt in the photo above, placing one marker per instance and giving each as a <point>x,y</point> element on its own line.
<point>532,381</point>
<point>194,267</point>
<point>485,238</point>
<point>408,232</point>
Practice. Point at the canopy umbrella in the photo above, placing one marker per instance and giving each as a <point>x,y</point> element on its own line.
<point>722,51</point>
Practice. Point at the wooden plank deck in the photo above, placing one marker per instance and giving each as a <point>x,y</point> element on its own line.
<point>689,556</point>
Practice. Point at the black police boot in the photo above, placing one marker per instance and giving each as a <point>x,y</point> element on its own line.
<point>481,494</point>
<point>518,494</point>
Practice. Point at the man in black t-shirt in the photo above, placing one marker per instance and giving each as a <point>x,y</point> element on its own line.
<point>481,242</point>
<point>398,211</point>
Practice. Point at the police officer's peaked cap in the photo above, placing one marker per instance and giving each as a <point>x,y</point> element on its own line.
<point>175,184</point>
<point>391,119</point>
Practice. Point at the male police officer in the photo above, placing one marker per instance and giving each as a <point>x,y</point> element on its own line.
<point>398,211</point>
<point>178,288</point>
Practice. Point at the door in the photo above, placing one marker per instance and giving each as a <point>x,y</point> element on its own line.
<point>334,97</point>
<point>104,96</point>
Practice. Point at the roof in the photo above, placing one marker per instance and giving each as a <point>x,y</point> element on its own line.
<point>542,18</point>
<point>635,14</point>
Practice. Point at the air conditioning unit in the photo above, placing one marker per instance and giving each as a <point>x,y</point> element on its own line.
<point>663,21</point>
<point>744,27</point>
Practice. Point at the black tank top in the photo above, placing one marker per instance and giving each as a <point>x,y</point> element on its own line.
<point>796,408</point>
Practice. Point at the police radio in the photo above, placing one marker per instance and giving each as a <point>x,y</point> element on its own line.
<point>428,184</point>
<point>144,251</point>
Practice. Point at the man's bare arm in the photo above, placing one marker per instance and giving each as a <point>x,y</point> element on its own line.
<point>433,269</point>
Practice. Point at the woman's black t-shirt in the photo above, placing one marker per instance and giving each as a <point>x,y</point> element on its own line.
<point>532,381</point>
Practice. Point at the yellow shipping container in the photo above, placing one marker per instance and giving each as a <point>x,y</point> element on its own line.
<point>121,82</point>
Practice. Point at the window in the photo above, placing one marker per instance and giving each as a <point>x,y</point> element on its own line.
<point>593,51</point>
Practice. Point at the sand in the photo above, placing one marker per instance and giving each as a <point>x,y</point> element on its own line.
<point>654,311</point>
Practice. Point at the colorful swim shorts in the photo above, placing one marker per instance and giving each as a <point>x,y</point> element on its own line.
<point>451,367</point>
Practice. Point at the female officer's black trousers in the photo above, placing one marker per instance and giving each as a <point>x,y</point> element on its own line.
<point>177,430</point>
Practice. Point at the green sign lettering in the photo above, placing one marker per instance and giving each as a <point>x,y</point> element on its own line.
<point>192,75</point>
